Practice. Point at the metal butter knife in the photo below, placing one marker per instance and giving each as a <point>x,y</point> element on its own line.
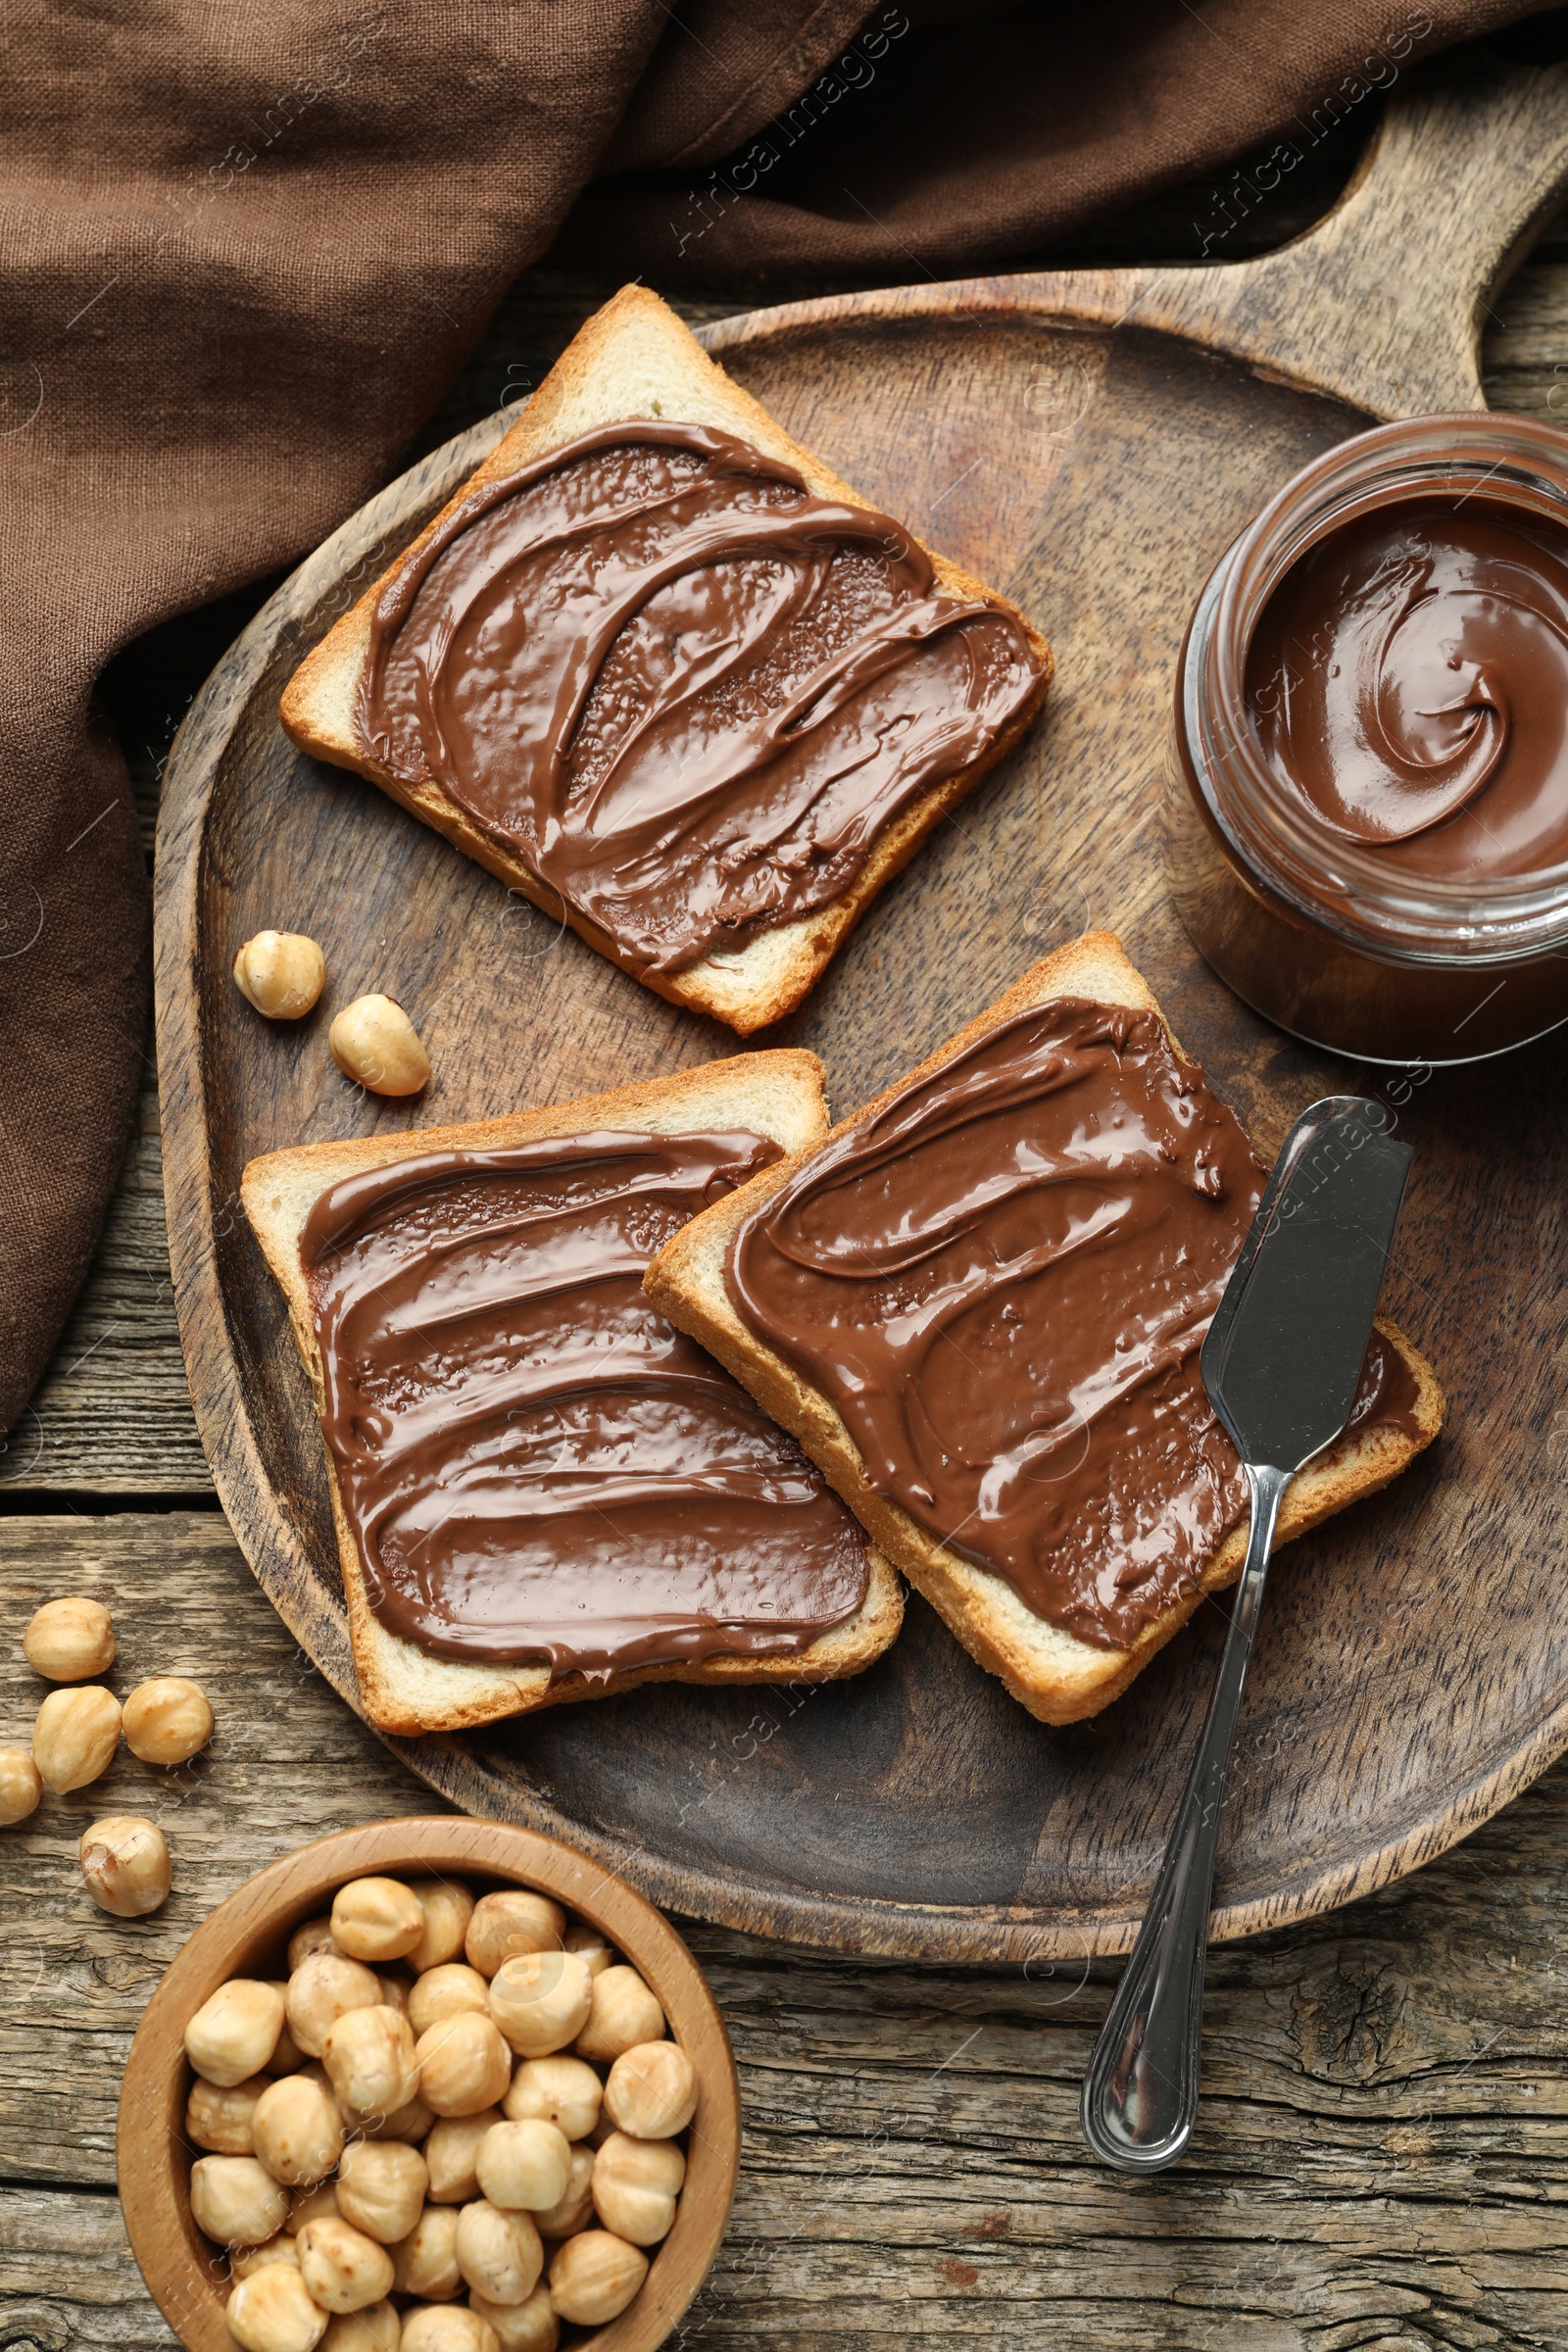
<point>1281,1363</point>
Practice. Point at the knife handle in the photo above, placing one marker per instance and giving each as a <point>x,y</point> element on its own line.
<point>1140,2098</point>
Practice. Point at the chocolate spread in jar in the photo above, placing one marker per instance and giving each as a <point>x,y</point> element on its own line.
<point>685,692</point>
<point>1002,1280</point>
<point>536,1466</point>
<point>1409,683</point>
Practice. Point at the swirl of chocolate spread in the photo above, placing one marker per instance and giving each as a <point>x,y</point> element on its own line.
<point>1002,1280</point>
<point>685,692</point>
<point>1408,681</point>
<point>536,1466</point>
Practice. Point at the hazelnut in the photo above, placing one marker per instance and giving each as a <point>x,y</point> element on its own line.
<point>524,2167</point>
<point>218,2117</point>
<point>426,2261</point>
<point>286,2052</point>
<point>281,973</point>
<point>375,2328</point>
<point>448,2328</point>
<point>323,1988</point>
<point>242,2260</point>
<point>446,1991</point>
<point>124,1861</point>
<point>168,1721</point>
<point>589,1944</point>
<point>574,2208</point>
<point>395,1989</point>
<point>269,2311</point>
<point>312,1936</point>
<point>234,2032</point>
<point>312,2205</point>
<point>369,2053</point>
<point>464,2065</point>
<point>380,2189</point>
<point>67,1640</point>
<point>297,2130</point>
<point>74,1736</point>
<point>376,1919</point>
<point>624,2013</point>
<point>510,1922</point>
<point>452,2153</point>
<point>407,2123</point>
<point>563,2091</point>
<point>21,1784</point>
<point>541,2000</point>
<point>343,2270</point>
<point>635,2184</point>
<point>594,2277</point>
<point>448,1908</point>
<point>374,1042</point>
<point>499,2253</point>
<point>528,2326</point>
<point>651,2090</point>
<point>235,2201</point>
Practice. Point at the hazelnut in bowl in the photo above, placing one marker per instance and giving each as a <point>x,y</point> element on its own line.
<point>432,2085</point>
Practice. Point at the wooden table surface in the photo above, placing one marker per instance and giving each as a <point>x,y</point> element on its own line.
<point>1382,2158</point>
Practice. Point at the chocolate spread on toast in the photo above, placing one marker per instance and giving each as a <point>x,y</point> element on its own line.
<point>1002,1280</point>
<point>536,1466</point>
<point>686,693</point>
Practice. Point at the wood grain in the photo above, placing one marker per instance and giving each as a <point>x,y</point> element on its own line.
<point>1382,2157</point>
<point>1094,472</point>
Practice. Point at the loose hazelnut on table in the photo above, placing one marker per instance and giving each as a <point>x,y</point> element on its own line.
<point>376,1919</point>
<point>269,2311</point>
<point>369,2053</point>
<point>323,1988</point>
<point>560,2091</point>
<point>464,2065</point>
<point>594,2277</point>
<point>651,2090</point>
<point>21,1784</point>
<point>452,2153</point>
<point>509,1923</point>
<point>446,1991</point>
<point>624,2011</point>
<point>242,2260</point>
<point>499,2254</point>
<point>281,973</point>
<point>68,1641</point>
<point>217,2118</point>
<point>447,2328</point>
<point>374,1042</point>
<point>235,2201</point>
<point>635,2186</point>
<point>343,2270</point>
<point>297,2130</point>
<point>541,2000</point>
<point>124,1861</point>
<point>448,1907</point>
<point>74,1736</point>
<point>528,2326</point>
<point>310,1935</point>
<point>426,2261</point>
<point>574,2209</point>
<point>375,2328</point>
<point>525,2166</point>
<point>381,2188</point>
<point>168,1721</point>
<point>234,2032</point>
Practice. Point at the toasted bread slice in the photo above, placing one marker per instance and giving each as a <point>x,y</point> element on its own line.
<point>1050,1671</point>
<point>404,1688</point>
<point>635,359</point>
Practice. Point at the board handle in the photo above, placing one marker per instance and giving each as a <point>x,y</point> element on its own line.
<point>1382,302</point>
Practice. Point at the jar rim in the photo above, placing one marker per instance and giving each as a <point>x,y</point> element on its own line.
<point>1330,881</point>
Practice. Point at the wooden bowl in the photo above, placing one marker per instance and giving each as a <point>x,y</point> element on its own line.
<point>246,1935</point>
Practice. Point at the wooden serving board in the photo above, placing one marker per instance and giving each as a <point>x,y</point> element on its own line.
<point>1089,443</point>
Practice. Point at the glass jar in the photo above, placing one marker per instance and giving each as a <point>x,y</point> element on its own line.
<point>1314,930</point>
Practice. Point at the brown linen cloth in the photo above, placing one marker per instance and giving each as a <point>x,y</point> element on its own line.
<point>246,248</point>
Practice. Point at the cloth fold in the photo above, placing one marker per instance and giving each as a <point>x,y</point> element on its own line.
<point>245,251</point>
